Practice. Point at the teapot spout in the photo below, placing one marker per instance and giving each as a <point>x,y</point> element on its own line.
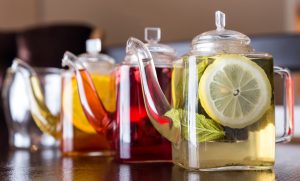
<point>92,105</point>
<point>155,100</point>
<point>41,114</point>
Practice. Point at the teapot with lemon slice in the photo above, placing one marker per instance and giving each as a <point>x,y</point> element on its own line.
<point>222,112</point>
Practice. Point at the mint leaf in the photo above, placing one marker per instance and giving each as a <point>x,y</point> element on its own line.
<point>175,115</point>
<point>202,66</point>
<point>177,86</point>
<point>205,129</point>
<point>180,78</point>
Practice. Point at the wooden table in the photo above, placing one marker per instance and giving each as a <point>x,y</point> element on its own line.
<point>49,165</point>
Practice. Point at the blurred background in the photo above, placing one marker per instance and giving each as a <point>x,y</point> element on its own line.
<point>179,20</point>
<point>39,31</point>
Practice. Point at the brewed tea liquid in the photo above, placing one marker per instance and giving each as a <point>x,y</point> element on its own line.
<point>78,136</point>
<point>136,139</point>
<point>41,114</point>
<point>252,145</point>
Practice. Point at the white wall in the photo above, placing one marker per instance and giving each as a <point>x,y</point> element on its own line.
<point>179,19</point>
<point>16,14</point>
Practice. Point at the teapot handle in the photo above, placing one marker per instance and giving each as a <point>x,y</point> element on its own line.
<point>288,104</point>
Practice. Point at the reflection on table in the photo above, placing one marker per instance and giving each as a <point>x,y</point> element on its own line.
<point>50,165</point>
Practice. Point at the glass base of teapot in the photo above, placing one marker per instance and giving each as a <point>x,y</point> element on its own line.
<point>229,168</point>
<point>33,141</point>
<point>249,154</point>
<point>239,168</point>
<point>84,144</point>
<point>89,153</point>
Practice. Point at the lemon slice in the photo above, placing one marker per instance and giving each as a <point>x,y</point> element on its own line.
<point>79,119</point>
<point>177,85</point>
<point>106,90</point>
<point>234,91</point>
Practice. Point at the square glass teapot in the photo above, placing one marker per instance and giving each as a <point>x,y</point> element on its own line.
<point>222,112</point>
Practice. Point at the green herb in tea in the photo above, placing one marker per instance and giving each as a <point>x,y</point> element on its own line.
<point>205,129</point>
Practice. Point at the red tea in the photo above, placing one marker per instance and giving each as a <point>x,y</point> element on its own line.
<point>136,138</point>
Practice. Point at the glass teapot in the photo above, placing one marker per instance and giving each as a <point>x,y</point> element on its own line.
<point>78,136</point>
<point>136,140</point>
<point>222,115</point>
<point>31,99</point>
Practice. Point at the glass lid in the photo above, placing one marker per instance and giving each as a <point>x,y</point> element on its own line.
<point>93,49</point>
<point>162,54</point>
<point>152,37</point>
<point>219,39</point>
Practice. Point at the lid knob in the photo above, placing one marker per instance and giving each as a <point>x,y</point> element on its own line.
<point>152,34</point>
<point>220,20</point>
<point>93,45</point>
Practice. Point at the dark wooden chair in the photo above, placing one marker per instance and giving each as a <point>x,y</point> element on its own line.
<point>44,46</point>
<point>285,48</point>
<point>8,51</point>
<point>41,46</point>
<point>118,52</point>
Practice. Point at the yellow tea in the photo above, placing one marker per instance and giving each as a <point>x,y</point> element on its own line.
<point>78,136</point>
